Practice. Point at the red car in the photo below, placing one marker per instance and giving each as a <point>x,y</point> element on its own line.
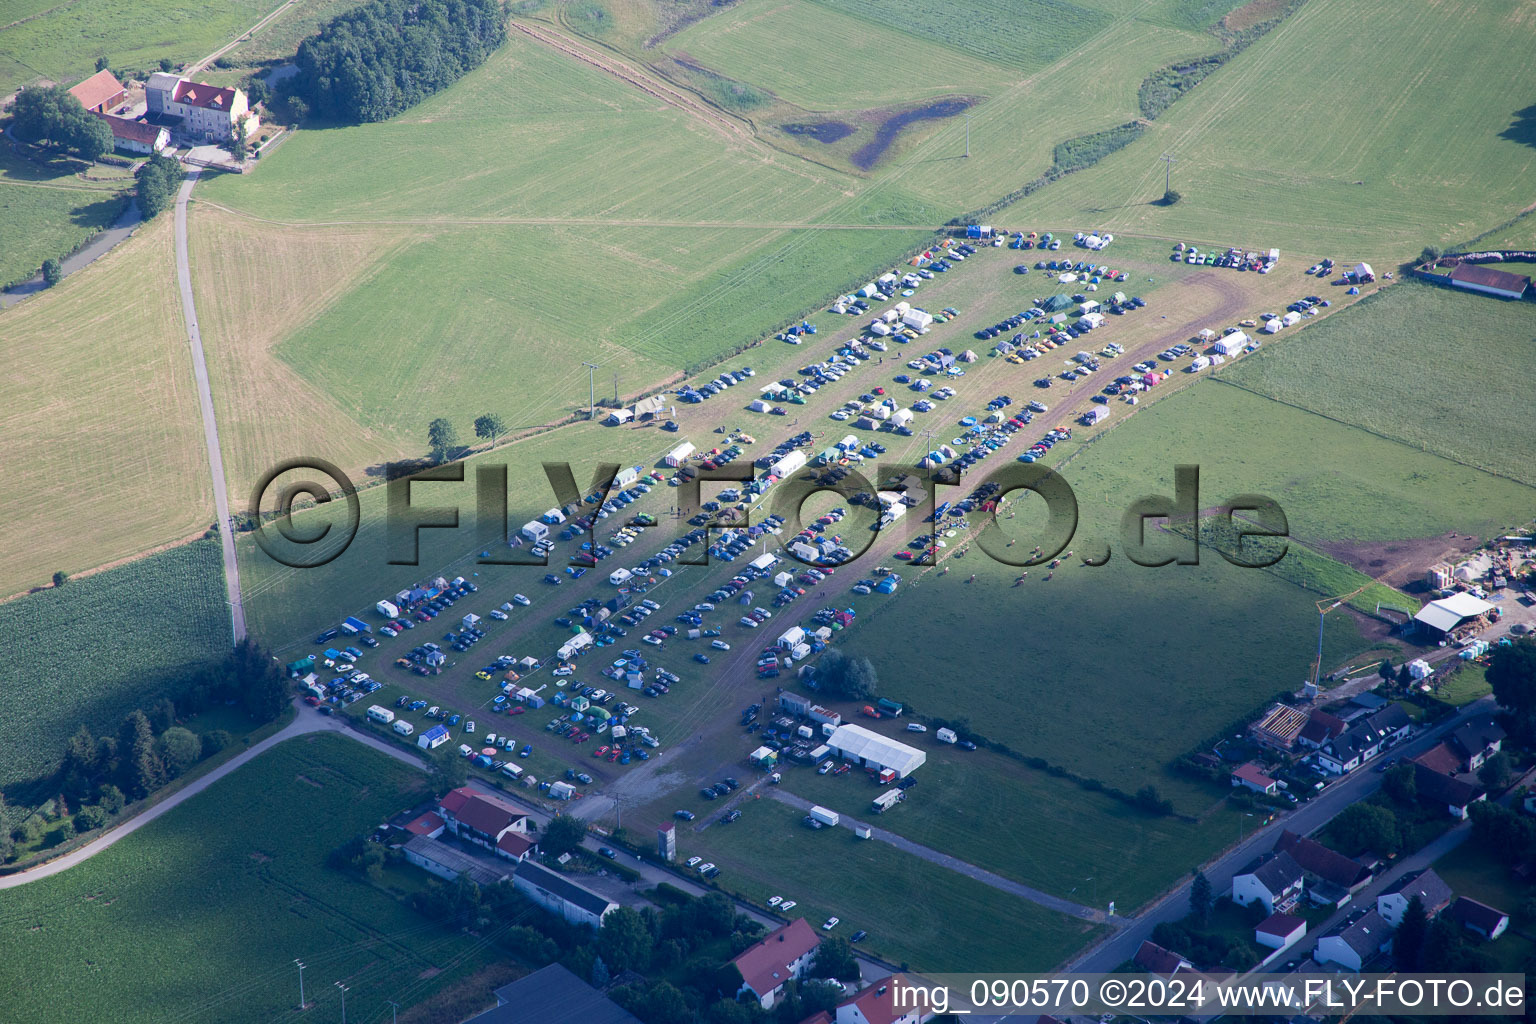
<point>613,755</point>
<point>312,701</point>
<point>600,751</point>
<point>516,710</point>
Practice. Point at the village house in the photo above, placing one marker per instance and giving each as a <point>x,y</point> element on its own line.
<point>1275,881</point>
<point>1332,878</point>
<point>1434,895</point>
<point>1355,944</point>
<point>486,821</point>
<point>1249,776</point>
<point>193,110</point>
<point>1164,963</point>
<point>781,955</point>
<point>1478,917</point>
<point>1364,739</point>
<point>1437,785</point>
<point>878,1005</point>
<point>137,136</point>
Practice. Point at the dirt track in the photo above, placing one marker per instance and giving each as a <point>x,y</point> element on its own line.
<point>647,84</point>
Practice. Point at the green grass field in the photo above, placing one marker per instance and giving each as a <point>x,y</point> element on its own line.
<point>47,214</point>
<point>1334,481</point>
<point>1082,846</point>
<point>62,41</point>
<point>1268,156</point>
<point>143,931</point>
<point>68,662</point>
<point>1435,368</point>
<point>97,403</point>
<point>929,917</point>
<point>989,28</point>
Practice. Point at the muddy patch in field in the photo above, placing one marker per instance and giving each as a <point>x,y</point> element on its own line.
<point>869,154</point>
<point>1399,563</point>
<point>826,132</point>
<point>309,781</point>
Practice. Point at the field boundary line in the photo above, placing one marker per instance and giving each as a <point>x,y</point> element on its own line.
<point>249,33</point>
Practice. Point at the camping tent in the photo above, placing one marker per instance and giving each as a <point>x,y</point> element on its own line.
<point>1363,272</point>
<point>967,356</point>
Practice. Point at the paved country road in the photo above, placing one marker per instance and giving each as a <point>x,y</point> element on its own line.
<point>981,875</point>
<point>302,724</point>
<point>205,402</point>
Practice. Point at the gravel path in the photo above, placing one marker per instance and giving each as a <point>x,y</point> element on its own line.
<point>205,402</point>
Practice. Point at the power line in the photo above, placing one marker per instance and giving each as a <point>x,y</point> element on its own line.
<point>592,369</point>
<point>1168,162</point>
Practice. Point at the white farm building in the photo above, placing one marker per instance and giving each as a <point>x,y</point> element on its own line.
<point>869,748</point>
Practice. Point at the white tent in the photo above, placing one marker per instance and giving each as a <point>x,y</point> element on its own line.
<point>1363,272</point>
<point>1273,326</point>
<point>856,743</point>
<point>757,405</point>
<point>918,318</point>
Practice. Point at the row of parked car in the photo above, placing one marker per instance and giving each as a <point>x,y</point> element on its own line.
<point>709,389</point>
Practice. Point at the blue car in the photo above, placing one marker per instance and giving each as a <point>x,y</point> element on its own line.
<point>701,658</point>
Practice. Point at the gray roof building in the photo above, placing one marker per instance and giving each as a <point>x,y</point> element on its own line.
<point>552,995</point>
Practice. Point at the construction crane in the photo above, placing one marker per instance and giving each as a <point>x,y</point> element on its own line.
<point>1325,606</point>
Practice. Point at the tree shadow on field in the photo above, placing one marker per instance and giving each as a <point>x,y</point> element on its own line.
<point>99,214</point>
<point>1523,128</point>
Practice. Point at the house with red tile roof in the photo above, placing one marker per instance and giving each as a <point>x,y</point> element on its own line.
<point>885,1002</point>
<point>1250,776</point>
<point>136,136</point>
<point>201,112</point>
<point>484,820</point>
<point>781,955</point>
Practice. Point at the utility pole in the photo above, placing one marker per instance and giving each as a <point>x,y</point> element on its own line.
<point>394,1011</point>
<point>301,983</point>
<point>1168,160</point>
<point>591,389</point>
<point>343,1002</point>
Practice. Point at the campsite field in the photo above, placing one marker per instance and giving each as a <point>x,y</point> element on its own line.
<point>65,665</point>
<point>1437,369</point>
<point>1094,850</point>
<point>48,213</point>
<point>929,917</point>
<point>62,41</point>
<point>142,931</point>
<point>1270,142</point>
<point>100,412</point>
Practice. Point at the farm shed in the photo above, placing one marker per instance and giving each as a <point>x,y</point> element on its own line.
<point>869,748</point>
<point>1489,281</point>
<point>1441,617</point>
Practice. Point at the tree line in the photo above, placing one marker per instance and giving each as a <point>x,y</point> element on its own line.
<point>388,55</point>
<point>100,775</point>
<point>50,116</point>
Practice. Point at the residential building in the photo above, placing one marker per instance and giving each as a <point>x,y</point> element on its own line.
<point>783,954</point>
<point>550,994</point>
<point>1436,786</point>
<point>1353,945</point>
<point>1321,727</point>
<point>102,93</point>
<point>1274,881</point>
<point>1431,890</point>
<point>137,137</point>
<point>1249,776</point>
<point>1154,959</point>
<point>198,111</point>
<point>429,824</point>
<point>1364,739</point>
<point>1277,931</point>
<point>1478,917</point>
<point>1332,877</point>
<point>559,895</point>
<point>480,818</point>
<point>1477,741</point>
<point>1279,727</point>
<point>879,1004</point>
